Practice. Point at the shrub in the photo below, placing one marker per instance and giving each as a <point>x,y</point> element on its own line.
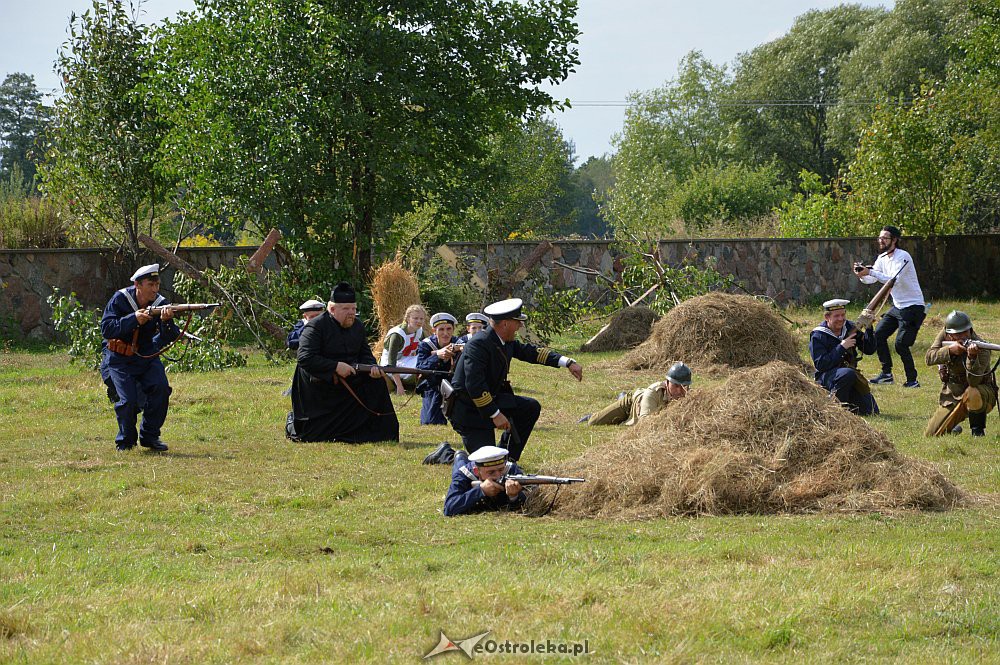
<point>817,211</point>
<point>729,193</point>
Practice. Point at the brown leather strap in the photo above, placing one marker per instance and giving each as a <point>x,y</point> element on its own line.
<point>164,349</point>
<point>337,379</point>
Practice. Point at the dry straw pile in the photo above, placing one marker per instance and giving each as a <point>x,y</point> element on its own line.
<point>627,329</point>
<point>769,440</point>
<point>714,333</point>
<point>394,288</point>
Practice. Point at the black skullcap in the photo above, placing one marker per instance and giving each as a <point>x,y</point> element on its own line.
<point>343,293</point>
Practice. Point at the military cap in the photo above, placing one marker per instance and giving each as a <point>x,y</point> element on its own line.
<point>152,270</point>
<point>506,309</point>
<point>489,456</point>
<point>957,322</point>
<point>680,374</point>
<point>473,317</point>
<point>835,304</point>
<point>312,306</point>
<point>343,293</point>
<point>443,317</point>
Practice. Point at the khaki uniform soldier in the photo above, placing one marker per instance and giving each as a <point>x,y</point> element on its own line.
<point>967,382</point>
<point>633,406</point>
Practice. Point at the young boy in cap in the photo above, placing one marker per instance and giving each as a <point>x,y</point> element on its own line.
<point>130,364</point>
<point>484,400</point>
<point>477,483</point>
<point>631,407</point>
<point>474,323</point>
<point>310,310</point>
<point>834,347</point>
<point>331,401</point>
<point>437,352</point>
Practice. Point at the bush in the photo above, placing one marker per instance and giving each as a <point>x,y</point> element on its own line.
<point>729,193</point>
<point>31,222</point>
<point>559,311</point>
<point>817,211</point>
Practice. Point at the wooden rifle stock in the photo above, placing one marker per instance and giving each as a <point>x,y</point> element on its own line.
<point>396,369</point>
<point>870,311</point>
<point>957,415</point>
<point>188,307</point>
<point>978,342</point>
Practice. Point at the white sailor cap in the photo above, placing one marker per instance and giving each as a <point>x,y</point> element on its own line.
<point>835,304</point>
<point>506,309</point>
<point>443,317</point>
<point>489,456</point>
<point>147,271</point>
<point>312,306</point>
<point>474,317</point>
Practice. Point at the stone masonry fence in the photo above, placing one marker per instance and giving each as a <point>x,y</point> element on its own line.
<point>788,270</point>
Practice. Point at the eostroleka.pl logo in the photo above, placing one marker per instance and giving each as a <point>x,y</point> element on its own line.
<point>477,644</point>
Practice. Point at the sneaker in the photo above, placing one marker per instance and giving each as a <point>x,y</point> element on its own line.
<point>155,445</point>
<point>124,447</point>
<point>911,384</point>
<point>883,378</point>
<point>978,431</point>
<point>957,429</point>
<point>584,419</point>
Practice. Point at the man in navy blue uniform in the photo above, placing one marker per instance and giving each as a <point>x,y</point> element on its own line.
<point>331,401</point>
<point>129,364</point>
<point>478,485</point>
<point>310,310</point>
<point>484,400</point>
<point>833,347</point>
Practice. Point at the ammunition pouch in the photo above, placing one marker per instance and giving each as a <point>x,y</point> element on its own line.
<point>120,347</point>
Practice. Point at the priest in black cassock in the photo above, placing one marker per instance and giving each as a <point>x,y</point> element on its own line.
<point>330,400</point>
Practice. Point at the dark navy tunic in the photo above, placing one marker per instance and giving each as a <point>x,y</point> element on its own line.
<point>463,498</point>
<point>138,382</point>
<point>835,365</point>
<point>430,386</point>
<point>292,342</point>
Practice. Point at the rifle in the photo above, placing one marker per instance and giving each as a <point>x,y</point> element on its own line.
<point>397,369</point>
<point>530,479</point>
<point>978,342</point>
<point>869,313</point>
<point>957,415</point>
<point>190,307</point>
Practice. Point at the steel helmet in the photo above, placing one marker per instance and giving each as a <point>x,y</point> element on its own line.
<point>680,374</point>
<point>957,322</point>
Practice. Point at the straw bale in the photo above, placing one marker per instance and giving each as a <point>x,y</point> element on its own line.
<point>715,333</point>
<point>394,288</point>
<point>627,329</point>
<point>768,440</point>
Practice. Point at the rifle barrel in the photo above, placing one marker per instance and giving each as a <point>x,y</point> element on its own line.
<point>982,344</point>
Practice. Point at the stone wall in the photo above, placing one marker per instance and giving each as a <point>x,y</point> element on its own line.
<point>27,277</point>
<point>788,270</point>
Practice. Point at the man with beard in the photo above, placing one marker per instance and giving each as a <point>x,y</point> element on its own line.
<point>331,401</point>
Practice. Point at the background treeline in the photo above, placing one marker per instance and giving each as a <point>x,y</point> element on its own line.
<point>409,125</point>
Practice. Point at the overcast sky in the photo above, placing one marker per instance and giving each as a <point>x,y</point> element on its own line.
<point>626,45</point>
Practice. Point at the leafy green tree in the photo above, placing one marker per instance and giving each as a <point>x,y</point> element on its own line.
<point>908,170</point>
<point>589,185</point>
<point>668,132</point>
<point>817,211</point>
<point>912,45</point>
<point>23,118</point>
<point>730,193</point>
<point>331,119</point>
<point>782,91</point>
<point>106,133</point>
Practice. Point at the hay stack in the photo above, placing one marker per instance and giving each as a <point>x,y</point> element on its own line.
<point>714,333</point>
<point>626,330</point>
<point>768,440</point>
<point>394,288</point>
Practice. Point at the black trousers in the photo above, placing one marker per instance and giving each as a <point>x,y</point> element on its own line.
<point>523,416</point>
<point>907,321</point>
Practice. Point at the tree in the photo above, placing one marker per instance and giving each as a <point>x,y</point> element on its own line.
<point>782,91</point>
<point>102,156</point>
<point>589,185</point>
<point>908,170</point>
<point>526,179</point>
<point>23,118</point>
<point>668,132</point>
<point>912,45</point>
<point>332,118</point>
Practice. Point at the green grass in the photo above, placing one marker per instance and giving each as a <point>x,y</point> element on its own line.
<point>239,546</point>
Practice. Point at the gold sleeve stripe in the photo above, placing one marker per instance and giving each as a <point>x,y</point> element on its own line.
<point>543,355</point>
<point>482,400</point>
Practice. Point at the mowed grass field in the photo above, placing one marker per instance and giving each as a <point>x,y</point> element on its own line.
<point>238,546</point>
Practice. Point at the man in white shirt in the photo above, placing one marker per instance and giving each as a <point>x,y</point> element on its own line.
<point>908,311</point>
